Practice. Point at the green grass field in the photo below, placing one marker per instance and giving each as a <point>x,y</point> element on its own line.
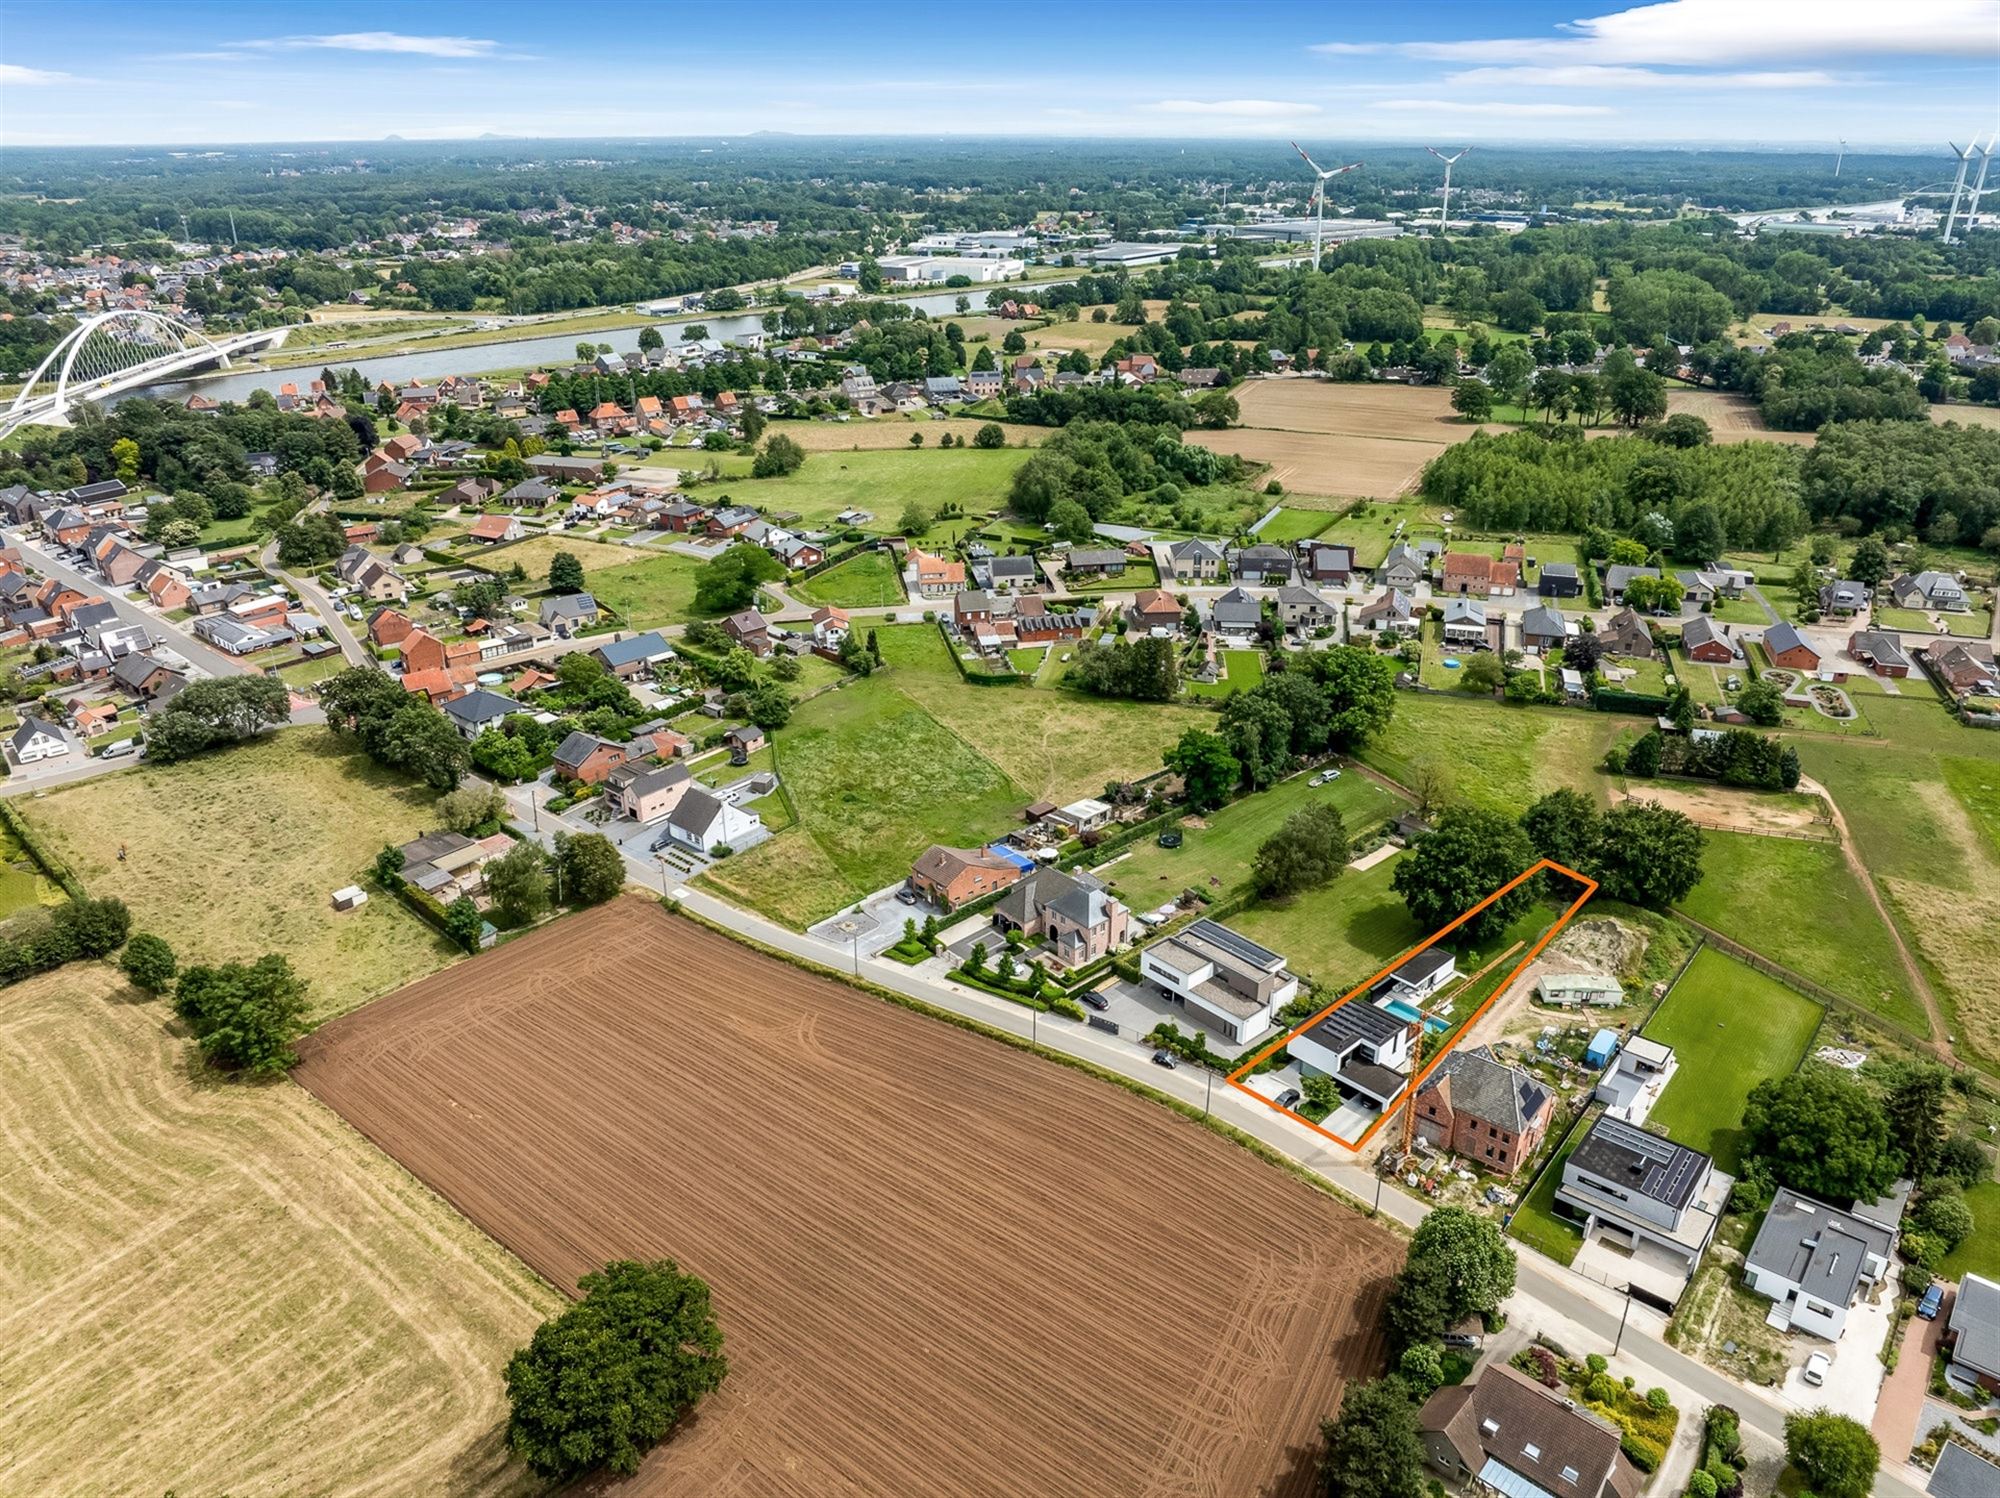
<point>1980,1252</point>
<point>866,581</point>
<point>1921,807</point>
<point>1799,904</point>
<point>1216,857</point>
<point>1731,1028</point>
<point>1290,525</point>
<point>1535,1222</point>
<point>1241,670</point>
<point>1137,574</point>
<point>1975,624</point>
<point>1340,934</point>
<point>1493,753</point>
<point>882,482</point>
<point>659,590</point>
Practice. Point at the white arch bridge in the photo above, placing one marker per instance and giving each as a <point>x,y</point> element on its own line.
<point>116,352</point>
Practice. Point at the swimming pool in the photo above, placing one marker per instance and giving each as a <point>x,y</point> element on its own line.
<point>1409,1014</point>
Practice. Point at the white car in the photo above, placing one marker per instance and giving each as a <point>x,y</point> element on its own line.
<point>1816,1369</point>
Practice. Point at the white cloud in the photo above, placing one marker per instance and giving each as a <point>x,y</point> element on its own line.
<point>388,41</point>
<point>1598,75</point>
<point>1239,108</point>
<point>1722,32</point>
<point>1495,108</point>
<point>16,76</point>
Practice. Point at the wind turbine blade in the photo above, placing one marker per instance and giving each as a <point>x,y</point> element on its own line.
<point>1307,159</point>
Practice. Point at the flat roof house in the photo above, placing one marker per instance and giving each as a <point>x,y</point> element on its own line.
<point>1636,1077</point>
<point>1559,580</point>
<point>1813,1261</point>
<point>1648,1197</point>
<point>1511,1436</point>
<point>1363,1047</point>
<point>1223,980</point>
<point>1483,1110</point>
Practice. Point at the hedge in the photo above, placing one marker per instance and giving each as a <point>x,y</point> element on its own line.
<point>1611,700</point>
<point>48,862</point>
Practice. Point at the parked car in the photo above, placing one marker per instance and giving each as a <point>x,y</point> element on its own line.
<point>1094,999</point>
<point>1166,1059</point>
<point>1289,1098</point>
<point>1816,1368</point>
<point>907,896</point>
<point>1932,1302</point>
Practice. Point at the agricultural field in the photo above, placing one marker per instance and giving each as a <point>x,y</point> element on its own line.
<point>534,1085</point>
<point>1216,850</point>
<point>1732,418</point>
<point>1731,1028</point>
<point>657,590</point>
<point>1495,754</point>
<point>1921,808</point>
<point>1798,903</point>
<point>238,853</point>
<point>1332,439</point>
<point>208,1288</point>
<point>866,581</point>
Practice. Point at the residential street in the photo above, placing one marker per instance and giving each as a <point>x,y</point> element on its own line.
<point>1581,1314</point>
<point>309,593</point>
<point>214,662</point>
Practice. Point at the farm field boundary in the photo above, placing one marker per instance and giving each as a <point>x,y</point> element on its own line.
<point>1406,1095</point>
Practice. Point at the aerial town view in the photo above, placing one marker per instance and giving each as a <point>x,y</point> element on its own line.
<point>1232,752</point>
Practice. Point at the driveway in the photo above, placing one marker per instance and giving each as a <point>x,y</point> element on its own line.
<point>1853,1384</point>
<point>1138,1008</point>
<point>1899,1407</point>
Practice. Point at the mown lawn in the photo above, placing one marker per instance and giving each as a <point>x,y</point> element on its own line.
<point>1290,525</point>
<point>659,590</point>
<point>1241,670</point>
<point>1731,1028</point>
<point>1534,1221</point>
<point>1980,1252</point>
<point>1495,754</point>
<point>866,581</point>
<point>1799,904</point>
<point>1338,935</point>
<point>1216,856</point>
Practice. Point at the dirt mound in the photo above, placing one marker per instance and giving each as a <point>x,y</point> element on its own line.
<point>1603,944</point>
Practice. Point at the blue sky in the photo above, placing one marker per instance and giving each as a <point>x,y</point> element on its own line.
<point>1879,72</point>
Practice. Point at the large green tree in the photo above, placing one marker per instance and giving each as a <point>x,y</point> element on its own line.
<point>1564,826</point>
<point>1647,854</point>
<point>1207,769</point>
<point>1837,1456</point>
<point>518,882</point>
<point>1475,1265</point>
<point>1373,1449</point>
<point>1821,1132</point>
<point>605,1381</point>
<point>1469,854</point>
<point>589,869</point>
<point>245,1016</point>
<point>1308,851</point>
<point>1915,1106</point>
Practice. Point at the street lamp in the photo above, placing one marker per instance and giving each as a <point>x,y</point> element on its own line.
<point>1621,1321</point>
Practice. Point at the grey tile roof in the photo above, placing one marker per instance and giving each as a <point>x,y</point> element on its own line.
<point>1975,1318</point>
<point>1961,1473</point>
<point>1816,1247</point>
<point>1490,1090</point>
<point>1782,637</point>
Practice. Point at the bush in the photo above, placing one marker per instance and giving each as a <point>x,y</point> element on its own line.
<point>149,963</point>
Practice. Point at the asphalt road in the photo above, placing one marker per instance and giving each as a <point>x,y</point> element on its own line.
<point>214,662</point>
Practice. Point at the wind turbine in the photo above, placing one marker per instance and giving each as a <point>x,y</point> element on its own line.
<point>1958,187</point>
<point>1318,197</point>
<point>1444,213</point>
<point>1838,156</point>
<point>1979,187</point>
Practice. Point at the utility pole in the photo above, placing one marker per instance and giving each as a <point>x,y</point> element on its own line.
<point>1615,1346</point>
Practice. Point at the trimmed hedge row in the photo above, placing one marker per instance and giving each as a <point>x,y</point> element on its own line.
<point>49,863</point>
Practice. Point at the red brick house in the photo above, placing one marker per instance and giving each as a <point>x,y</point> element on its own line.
<point>583,756</point>
<point>948,877</point>
<point>388,627</point>
<point>1788,648</point>
<point>1483,1111</point>
<point>1705,643</point>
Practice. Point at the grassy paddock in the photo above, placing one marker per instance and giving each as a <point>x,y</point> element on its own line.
<point>869,580</point>
<point>1731,1028</point>
<point>237,854</point>
<point>658,590</point>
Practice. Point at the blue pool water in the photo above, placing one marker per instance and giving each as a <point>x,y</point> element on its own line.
<point>1410,1014</point>
<point>1450,663</point>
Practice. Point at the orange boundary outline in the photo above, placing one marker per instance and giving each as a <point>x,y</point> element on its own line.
<point>1407,1096</point>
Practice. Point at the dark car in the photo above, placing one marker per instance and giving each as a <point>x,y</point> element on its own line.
<point>1170,840</point>
<point>1166,1059</point>
<point>1289,1098</point>
<point>1932,1302</point>
<point>1094,999</point>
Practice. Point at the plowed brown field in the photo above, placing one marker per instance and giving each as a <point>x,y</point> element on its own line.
<point>942,1265</point>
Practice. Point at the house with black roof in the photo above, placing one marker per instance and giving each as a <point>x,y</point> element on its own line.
<point>1813,1260</point>
<point>1363,1047</point>
<point>1653,1202</point>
